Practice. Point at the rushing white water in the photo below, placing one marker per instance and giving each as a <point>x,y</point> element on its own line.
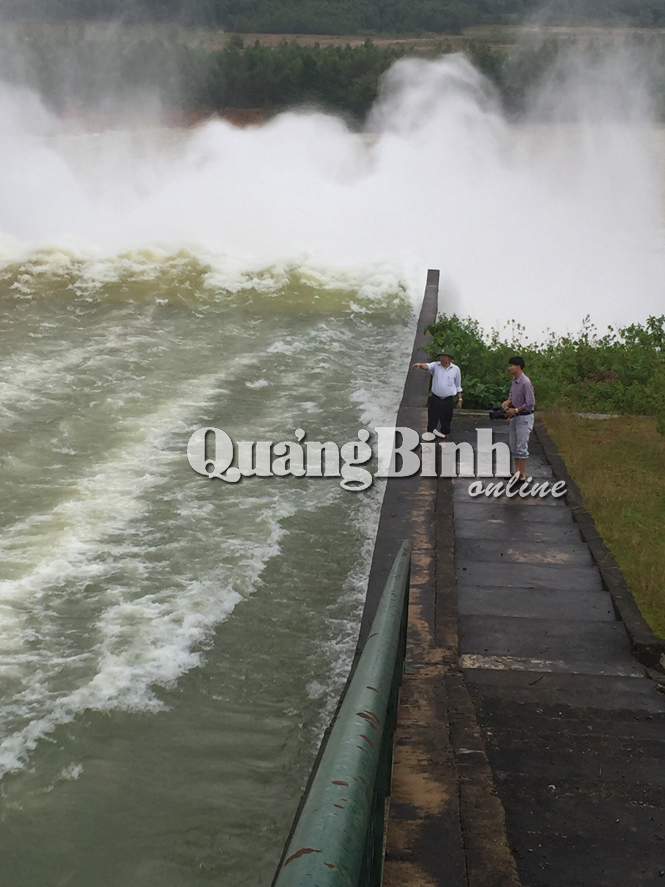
<point>546,221</point>
<point>170,646</point>
<point>124,572</point>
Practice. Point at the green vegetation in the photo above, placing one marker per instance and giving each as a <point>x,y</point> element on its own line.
<point>339,16</point>
<point>88,75</point>
<point>619,466</point>
<point>660,421</point>
<point>81,69</point>
<point>342,78</point>
<point>618,463</point>
<point>622,371</point>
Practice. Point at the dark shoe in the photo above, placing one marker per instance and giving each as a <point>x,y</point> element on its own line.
<point>523,487</point>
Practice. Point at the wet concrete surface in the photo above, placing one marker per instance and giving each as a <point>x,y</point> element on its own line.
<point>530,747</point>
<point>573,727</point>
<point>530,744</point>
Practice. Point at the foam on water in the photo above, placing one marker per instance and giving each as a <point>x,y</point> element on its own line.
<point>547,221</point>
<point>260,281</point>
<point>109,590</point>
<point>63,553</point>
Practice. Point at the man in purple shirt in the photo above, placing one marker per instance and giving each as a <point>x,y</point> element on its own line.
<point>519,408</point>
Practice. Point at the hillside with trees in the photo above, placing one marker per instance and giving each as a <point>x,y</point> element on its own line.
<point>340,16</point>
<point>83,74</point>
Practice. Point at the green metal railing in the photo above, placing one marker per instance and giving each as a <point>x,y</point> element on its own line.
<point>338,837</point>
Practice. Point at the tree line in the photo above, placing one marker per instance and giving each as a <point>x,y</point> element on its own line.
<point>93,76</point>
<point>96,74</point>
<point>339,16</point>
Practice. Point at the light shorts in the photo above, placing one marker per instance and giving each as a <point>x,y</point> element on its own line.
<point>518,436</point>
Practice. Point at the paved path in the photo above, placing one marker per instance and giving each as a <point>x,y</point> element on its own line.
<point>574,729</point>
<point>543,731</point>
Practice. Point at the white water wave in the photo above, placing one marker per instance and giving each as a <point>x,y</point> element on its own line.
<point>131,639</point>
<point>546,222</point>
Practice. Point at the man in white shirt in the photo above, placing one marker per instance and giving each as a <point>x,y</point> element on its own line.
<point>446,385</point>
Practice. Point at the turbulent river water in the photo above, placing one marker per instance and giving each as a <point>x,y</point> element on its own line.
<point>171,645</point>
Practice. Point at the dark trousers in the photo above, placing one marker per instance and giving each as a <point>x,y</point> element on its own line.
<point>439,409</point>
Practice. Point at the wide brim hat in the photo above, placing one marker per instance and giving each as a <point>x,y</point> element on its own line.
<point>445,353</point>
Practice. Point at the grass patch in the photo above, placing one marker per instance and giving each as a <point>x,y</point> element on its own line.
<point>619,466</point>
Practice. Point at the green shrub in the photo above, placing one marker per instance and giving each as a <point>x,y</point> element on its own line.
<point>622,371</point>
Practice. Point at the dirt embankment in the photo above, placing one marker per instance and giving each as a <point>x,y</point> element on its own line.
<point>172,118</point>
<point>241,117</point>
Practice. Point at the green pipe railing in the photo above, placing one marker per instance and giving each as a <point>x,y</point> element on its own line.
<point>338,837</point>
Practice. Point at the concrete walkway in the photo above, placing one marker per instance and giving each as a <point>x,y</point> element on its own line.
<point>531,742</point>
